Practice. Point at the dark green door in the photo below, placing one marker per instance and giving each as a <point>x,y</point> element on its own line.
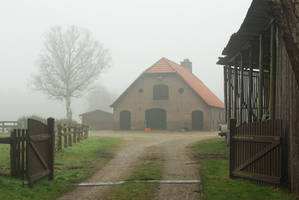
<point>125,120</point>
<point>155,119</point>
<point>197,120</point>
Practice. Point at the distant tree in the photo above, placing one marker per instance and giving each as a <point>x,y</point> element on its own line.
<point>69,63</point>
<point>100,98</point>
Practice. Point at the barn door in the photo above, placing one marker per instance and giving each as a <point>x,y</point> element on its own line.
<point>125,120</point>
<point>40,150</point>
<point>155,119</point>
<point>197,120</point>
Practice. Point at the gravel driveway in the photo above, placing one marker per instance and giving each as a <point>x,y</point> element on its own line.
<point>177,164</point>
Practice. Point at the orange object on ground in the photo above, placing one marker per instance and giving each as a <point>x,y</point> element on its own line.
<point>147,129</point>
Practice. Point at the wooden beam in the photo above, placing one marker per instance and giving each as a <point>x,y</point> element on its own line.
<point>235,91</point>
<point>261,79</point>
<point>241,91</point>
<point>249,105</point>
<point>229,114</point>
<point>225,91</point>
<point>272,73</point>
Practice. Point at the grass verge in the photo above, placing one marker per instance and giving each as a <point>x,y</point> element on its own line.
<point>214,176</point>
<point>4,156</point>
<point>148,168</point>
<point>72,165</point>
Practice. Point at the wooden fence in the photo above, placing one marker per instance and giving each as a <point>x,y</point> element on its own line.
<point>6,126</point>
<point>17,142</point>
<point>67,135</point>
<point>257,151</point>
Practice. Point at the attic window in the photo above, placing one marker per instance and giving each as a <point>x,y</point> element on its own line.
<point>160,92</point>
<point>140,90</point>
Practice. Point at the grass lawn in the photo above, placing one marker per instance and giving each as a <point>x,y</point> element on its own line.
<point>4,156</point>
<point>72,165</point>
<point>149,168</point>
<point>217,185</point>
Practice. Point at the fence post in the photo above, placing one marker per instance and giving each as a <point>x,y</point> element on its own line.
<point>86,131</point>
<point>70,136</point>
<point>13,153</point>
<point>79,133</point>
<point>74,134</point>
<point>59,134</point>
<point>232,127</point>
<point>50,123</point>
<point>24,132</point>
<point>65,136</point>
<point>18,153</point>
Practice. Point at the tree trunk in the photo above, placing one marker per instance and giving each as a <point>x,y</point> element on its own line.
<point>68,108</point>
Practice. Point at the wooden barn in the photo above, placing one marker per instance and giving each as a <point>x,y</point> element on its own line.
<point>98,120</point>
<point>261,76</point>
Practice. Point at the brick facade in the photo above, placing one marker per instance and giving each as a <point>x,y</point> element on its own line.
<point>178,107</point>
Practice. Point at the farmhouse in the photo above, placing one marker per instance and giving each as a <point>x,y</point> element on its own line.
<point>168,96</point>
<point>261,77</point>
<point>98,120</point>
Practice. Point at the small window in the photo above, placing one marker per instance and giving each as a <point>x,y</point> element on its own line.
<point>140,90</point>
<point>181,90</point>
<point>160,92</point>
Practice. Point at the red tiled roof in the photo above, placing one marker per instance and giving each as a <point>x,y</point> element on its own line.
<point>166,66</point>
<point>160,67</point>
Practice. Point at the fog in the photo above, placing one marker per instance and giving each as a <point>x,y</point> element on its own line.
<point>136,32</point>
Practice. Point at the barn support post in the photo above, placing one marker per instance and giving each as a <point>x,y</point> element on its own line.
<point>272,72</point>
<point>235,92</point>
<point>241,89</point>
<point>261,79</point>
<point>249,105</point>
<point>225,91</point>
<point>229,114</point>
<point>295,143</point>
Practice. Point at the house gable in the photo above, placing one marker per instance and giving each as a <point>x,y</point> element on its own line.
<point>165,66</point>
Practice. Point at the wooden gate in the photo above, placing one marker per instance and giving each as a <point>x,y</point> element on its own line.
<point>256,151</point>
<point>40,150</point>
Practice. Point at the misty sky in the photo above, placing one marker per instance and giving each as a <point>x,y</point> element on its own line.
<point>136,32</point>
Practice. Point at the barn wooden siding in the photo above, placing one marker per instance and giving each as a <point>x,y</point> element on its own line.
<point>277,99</point>
<point>286,89</point>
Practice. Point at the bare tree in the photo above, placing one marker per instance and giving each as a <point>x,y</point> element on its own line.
<point>69,63</point>
<point>100,98</point>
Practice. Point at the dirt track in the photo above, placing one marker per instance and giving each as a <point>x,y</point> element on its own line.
<point>177,164</point>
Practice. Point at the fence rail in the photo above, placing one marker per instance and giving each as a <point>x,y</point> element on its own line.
<point>6,126</point>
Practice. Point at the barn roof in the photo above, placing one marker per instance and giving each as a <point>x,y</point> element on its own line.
<point>167,66</point>
<point>95,111</point>
<point>257,19</point>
